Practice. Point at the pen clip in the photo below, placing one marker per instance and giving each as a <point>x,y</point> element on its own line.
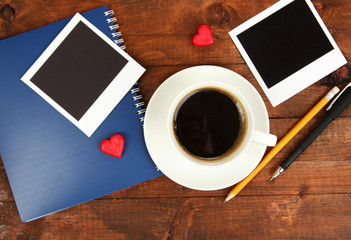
<point>336,98</point>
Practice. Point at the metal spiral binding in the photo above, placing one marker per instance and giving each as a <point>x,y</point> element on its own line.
<point>138,102</point>
<point>116,34</point>
<point>114,28</point>
<point>111,20</point>
<point>118,41</point>
<point>109,12</point>
<point>137,98</point>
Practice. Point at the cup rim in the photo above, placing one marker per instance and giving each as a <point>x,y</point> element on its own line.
<point>208,84</point>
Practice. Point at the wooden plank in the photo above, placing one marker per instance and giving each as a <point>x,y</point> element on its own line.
<point>246,217</point>
<point>147,30</point>
<point>5,190</point>
<point>165,38</point>
<point>323,168</point>
<point>171,18</point>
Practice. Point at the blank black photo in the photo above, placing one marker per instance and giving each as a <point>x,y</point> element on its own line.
<point>79,70</point>
<point>285,42</point>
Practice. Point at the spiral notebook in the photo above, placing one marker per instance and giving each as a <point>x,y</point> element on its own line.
<point>51,164</point>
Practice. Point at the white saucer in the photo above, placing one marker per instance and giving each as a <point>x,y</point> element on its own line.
<point>176,167</point>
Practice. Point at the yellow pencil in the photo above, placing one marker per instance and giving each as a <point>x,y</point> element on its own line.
<point>283,142</point>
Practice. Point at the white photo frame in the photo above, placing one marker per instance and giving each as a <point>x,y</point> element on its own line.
<point>303,77</point>
<point>110,96</point>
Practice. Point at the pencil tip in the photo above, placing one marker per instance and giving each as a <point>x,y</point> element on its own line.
<point>230,196</point>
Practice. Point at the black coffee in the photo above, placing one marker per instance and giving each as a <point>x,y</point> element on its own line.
<point>208,123</point>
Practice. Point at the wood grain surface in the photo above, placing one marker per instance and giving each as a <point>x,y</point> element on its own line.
<point>311,200</point>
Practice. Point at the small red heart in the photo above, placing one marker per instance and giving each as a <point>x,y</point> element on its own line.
<point>113,146</point>
<point>204,36</point>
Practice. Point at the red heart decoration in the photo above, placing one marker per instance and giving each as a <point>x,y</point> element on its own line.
<point>113,146</point>
<point>204,36</point>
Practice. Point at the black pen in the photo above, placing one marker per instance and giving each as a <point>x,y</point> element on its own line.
<point>338,105</point>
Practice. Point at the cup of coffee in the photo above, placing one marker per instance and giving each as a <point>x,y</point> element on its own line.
<point>211,123</point>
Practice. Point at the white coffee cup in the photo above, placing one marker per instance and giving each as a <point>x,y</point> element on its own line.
<point>251,134</point>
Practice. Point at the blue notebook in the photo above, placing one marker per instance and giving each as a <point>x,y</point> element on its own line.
<point>52,165</point>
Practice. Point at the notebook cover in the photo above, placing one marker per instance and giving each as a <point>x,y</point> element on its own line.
<point>52,165</point>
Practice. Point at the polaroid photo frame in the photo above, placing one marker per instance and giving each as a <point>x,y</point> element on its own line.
<point>83,74</point>
<point>287,48</point>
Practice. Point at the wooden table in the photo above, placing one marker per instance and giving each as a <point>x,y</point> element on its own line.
<point>311,200</point>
